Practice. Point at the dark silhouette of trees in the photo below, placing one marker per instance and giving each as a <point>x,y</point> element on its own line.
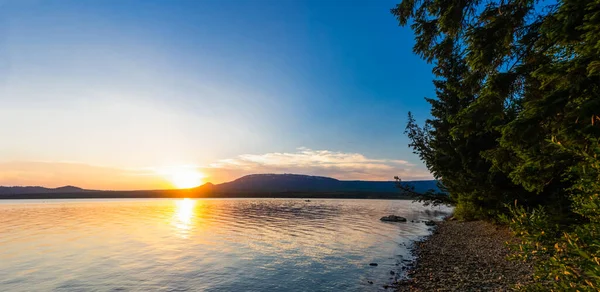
<point>516,118</point>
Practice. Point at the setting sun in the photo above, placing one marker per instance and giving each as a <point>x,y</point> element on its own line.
<point>183,177</point>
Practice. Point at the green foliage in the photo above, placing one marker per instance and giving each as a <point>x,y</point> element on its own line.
<point>516,118</point>
<point>430,197</point>
<point>535,230</point>
<point>566,259</point>
<point>467,111</point>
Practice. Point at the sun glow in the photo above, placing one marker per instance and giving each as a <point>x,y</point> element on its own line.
<point>183,177</point>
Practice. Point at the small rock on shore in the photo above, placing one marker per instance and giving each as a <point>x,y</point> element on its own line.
<point>466,256</point>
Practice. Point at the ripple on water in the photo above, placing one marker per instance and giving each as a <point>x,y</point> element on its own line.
<point>208,245</point>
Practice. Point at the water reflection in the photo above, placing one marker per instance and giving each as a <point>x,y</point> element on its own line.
<point>184,215</point>
<point>204,245</point>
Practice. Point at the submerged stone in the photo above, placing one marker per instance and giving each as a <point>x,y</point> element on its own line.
<point>393,218</point>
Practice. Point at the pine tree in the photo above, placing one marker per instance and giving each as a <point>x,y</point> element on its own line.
<point>517,118</point>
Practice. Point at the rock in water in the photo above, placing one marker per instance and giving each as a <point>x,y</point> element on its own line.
<point>393,218</point>
<point>430,223</point>
<point>373,264</point>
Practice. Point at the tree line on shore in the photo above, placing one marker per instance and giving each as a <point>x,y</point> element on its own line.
<point>514,133</point>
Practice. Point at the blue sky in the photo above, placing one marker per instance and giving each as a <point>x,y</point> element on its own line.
<point>135,85</point>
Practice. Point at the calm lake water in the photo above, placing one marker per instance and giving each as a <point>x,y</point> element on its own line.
<point>204,245</point>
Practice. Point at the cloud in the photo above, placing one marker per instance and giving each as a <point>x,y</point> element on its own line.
<point>341,165</point>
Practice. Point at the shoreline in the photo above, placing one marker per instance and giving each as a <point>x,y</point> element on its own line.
<point>193,194</point>
<point>465,256</point>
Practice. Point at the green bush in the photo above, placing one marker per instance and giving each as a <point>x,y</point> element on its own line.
<point>567,257</point>
<point>468,211</point>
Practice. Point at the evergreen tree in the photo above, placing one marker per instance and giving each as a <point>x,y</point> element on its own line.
<point>517,118</point>
<point>465,116</point>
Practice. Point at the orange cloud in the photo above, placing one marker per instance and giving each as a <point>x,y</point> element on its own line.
<point>340,165</point>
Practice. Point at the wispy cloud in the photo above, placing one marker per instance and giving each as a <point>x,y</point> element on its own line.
<point>342,165</point>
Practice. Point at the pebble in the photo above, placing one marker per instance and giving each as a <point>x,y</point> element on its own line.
<point>465,256</point>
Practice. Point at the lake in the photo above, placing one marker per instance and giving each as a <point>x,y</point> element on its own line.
<point>205,244</point>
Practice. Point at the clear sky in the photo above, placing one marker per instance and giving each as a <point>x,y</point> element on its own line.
<point>137,94</point>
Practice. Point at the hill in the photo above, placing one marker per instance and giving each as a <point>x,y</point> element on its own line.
<point>39,190</point>
<point>250,186</point>
<point>308,183</point>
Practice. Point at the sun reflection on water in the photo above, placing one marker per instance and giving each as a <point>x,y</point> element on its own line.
<point>195,244</point>
<point>184,215</point>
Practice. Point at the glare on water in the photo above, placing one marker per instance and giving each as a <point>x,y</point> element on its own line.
<point>203,245</point>
<point>183,215</point>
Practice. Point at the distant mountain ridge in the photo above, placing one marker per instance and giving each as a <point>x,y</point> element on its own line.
<point>38,190</point>
<point>254,185</point>
<point>309,183</point>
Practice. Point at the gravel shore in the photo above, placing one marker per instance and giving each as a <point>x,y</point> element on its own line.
<point>466,256</point>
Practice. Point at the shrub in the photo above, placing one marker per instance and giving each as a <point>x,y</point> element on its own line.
<point>567,257</point>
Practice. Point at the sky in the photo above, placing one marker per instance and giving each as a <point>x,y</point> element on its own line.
<point>137,94</point>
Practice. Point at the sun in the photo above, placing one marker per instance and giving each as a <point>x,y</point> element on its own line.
<point>184,177</point>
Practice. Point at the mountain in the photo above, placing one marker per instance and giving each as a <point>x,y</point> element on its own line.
<point>273,183</point>
<point>38,190</point>
<point>250,186</point>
